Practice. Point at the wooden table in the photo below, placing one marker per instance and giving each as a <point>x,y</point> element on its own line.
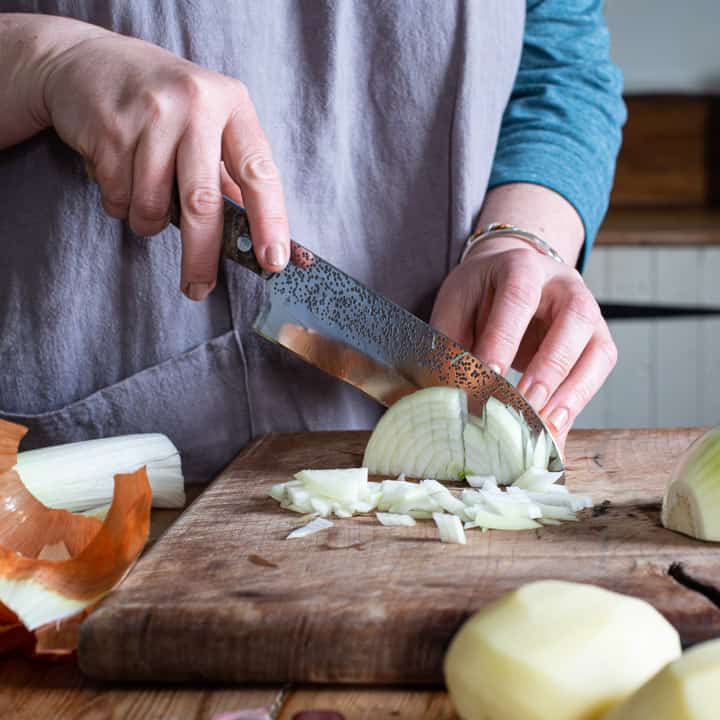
<point>38,690</point>
<point>31,689</point>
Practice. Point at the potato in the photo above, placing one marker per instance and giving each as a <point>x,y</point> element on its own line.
<point>686,689</point>
<point>556,650</point>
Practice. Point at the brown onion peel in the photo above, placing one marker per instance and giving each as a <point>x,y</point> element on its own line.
<point>51,597</point>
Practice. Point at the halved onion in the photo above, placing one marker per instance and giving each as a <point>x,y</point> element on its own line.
<point>691,504</point>
<point>429,434</point>
<point>421,435</point>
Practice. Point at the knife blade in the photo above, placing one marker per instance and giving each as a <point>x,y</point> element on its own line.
<point>353,333</point>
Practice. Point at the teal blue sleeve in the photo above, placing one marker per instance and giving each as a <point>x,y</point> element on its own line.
<point>562,126</point>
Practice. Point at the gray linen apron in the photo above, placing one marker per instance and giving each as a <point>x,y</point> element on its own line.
<point>383,118</point>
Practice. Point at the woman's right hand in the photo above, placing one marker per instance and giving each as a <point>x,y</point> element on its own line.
<point>142,117</point>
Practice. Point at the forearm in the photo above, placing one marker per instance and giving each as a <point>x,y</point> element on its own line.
<point>29,43</point>
<point>539,210</point>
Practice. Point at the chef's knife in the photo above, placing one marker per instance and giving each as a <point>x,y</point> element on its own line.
<point>335,323</point>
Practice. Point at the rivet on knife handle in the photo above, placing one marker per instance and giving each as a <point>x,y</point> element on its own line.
<point>236,238</point>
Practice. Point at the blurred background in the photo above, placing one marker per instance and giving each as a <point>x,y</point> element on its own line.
<point>656,266</point>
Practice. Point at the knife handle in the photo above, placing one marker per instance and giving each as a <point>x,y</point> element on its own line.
<point>236,237</point>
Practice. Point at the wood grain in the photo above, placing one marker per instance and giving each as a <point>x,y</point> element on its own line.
<point>30,690</point>
<point>361,603</point>
<point>372,703</point>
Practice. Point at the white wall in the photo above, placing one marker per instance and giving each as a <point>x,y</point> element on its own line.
<point>666,45</point>
<point>668,372</point>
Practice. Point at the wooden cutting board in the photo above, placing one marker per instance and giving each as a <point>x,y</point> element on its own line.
<point>223,596</point>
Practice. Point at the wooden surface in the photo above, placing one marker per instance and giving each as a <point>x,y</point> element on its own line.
<point>669,156</point>
<point>224,597</point>
<point>661,226</point>
<point>31,689</point>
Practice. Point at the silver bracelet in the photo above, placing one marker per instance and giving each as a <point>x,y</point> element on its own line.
<point>502,229</point>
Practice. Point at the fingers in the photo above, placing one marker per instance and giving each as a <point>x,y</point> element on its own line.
<point>454,311</point>
<point>562,346</point>
<point>154,175</point>
<point>229,187</point>
<point>247,157</point>
<point>112,170</point>
<point>516,300</point>
<point>198,178</point>
<point>584,380</point>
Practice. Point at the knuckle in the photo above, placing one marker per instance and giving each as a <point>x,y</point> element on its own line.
<point>159,106</point>
<point>559,362</point>
<point>582,306</point>
<point>200,266</point>
<point>241,92</point>
<point>115,210</point>
<point>203,201</point>
<point>610,351</point>
<point>499,337</point>
<point>115,196</point>
<point>519,290</point>
<point>115,133</point>
<point>582,395</point>
<point>258,166</point>
<point>192,87</point>
<point>150,209</point>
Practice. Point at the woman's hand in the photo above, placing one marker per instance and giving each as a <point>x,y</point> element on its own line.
<point>514,307</point>
<point>142,117</point>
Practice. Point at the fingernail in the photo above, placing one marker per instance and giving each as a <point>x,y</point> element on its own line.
<point>276,255</point>
<point>495,368</point>
<point>558,418</point>
<point>198,290</point>
<point>537,395</point>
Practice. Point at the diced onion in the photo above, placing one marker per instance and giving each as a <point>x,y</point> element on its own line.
<point>450,528</point>
<point>314,526</point>
<point>395,519</point>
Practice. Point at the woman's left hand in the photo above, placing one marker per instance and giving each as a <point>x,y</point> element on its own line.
<point>514,307</point>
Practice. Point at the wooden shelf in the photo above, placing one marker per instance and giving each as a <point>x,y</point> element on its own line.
<point>656,226</point>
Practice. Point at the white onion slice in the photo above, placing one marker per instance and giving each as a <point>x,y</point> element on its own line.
<point>450,527</point>
<point>314,526</point>
<point>537,479</point>
<point>395,519</point>
<point>481,481</point>
<point>483,519</point>
<point>421,435</point>
<point>345,485</point>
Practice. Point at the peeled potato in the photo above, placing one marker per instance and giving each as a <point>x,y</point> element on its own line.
<point>556,650</point>
<point>686,689</point>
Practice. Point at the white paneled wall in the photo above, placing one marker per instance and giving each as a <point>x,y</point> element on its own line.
<point>668,371</point>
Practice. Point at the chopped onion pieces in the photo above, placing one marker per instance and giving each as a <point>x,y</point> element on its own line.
<point>314,526</point>
<point>450,527</point>
<point>395,519</point>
